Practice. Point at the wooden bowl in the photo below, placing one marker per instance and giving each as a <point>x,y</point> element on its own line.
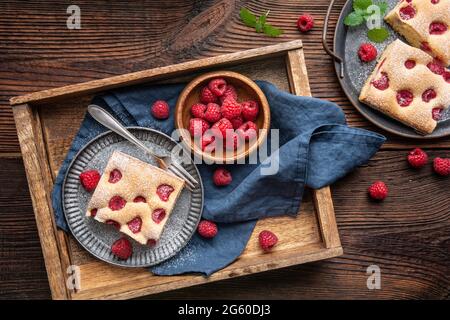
<point>246,90</point>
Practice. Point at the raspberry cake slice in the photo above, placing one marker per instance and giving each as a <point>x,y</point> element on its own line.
<point>408,85</point>
<point>424,24</point>
<point>135,197</point>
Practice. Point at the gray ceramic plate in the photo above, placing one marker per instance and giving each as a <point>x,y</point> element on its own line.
<point>97,237</point>
<point>346,44</point>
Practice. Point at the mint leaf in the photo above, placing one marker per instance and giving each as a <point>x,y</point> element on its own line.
<point>353,19</point>
<point>272,31</point>
<point>247,17</point>
<point>383,7</point>
<point>361,4</point>
<point>378,35</point>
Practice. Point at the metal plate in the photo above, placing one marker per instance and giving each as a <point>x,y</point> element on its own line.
<point>346,44</point>
<point>97,237</point>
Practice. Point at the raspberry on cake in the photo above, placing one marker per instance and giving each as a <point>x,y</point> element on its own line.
<point>424,25</point>
<point>404,87</point>
<point>140,202</point>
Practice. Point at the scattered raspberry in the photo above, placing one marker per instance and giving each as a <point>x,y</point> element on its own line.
<point>160,110</point>
<point>212,113</point>
<point>436,114</point>
<point>117,203</point>
<point>197,127</point>
<point>135,224</point>
<point>409,64</point>
<point>442,166</point>
<point>237,122</point>
<point>367,52</point>
<point>250,110</point>
<point>198,110</point>
<point>407,12</point>
<point>94,212</point>
<point>207,229</point>
<point>89,179</point>
<point>248,130</point>
<point>115,176</point>
<point>417,158</point>
<point>267,240</point>
<point>305,22</point>
<point>158,215</point>
<point>206,96</point>
<point>437,28</point>
<point>113,223</point>
<point>151,242</point>
<point>223,125</point>
<point>229,91</point>
<point>230,108</point>
<point>436,67</point>
<point>122,248</point>
<point>378,190</point>
<point>404,98</point>
<point>164,191</point>
<point>217,86</point>
<point>139,199</point>
<point>382,83</point>
<point>222,177</point>
<point>428,95</point>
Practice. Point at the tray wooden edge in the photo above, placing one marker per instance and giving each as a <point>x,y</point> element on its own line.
<point>54,242</point>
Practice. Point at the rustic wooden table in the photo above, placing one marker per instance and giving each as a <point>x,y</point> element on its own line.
<point>407,235</point>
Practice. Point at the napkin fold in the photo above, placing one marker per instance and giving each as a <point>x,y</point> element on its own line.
<point>316,148</point>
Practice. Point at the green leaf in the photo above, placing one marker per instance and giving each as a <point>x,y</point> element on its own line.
<point>247,17</point>
<point>272,31</point>
<point>378,35</point>
<point>361,4</point>
<point>383,7</point>
<point>353,19</point>
<point>263,18</point>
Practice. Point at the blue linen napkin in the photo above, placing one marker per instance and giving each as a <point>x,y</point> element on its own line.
<point>316,148</point>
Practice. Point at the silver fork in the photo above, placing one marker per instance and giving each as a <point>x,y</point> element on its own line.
<point>164,162</point>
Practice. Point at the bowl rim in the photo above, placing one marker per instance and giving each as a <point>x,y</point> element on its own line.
<point>186,138</point>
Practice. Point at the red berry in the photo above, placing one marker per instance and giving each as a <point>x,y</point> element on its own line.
<point>234,141</point>
<point>442,166</point>
<point>151,242</point>
<point>229,91</point>
<point>436,67</point>
<point>217,86</point>
<point>407,12</point>
<point>409,64</point>
<point>158,215</point>
<point>160,110</point>
<point>117,203</point>
<point>122,248</point>
<point>428,95</point>
<point>139,199</point>
<point>164,191</point>
<point>436,114</point>
<point>425,46</point>
<point>378,190</point>
<point>207,229</point>
<point>437,28</point>
<point>382,83</point>
<point>237,122</point>
<point>115,176</point>
<point>198,110</point>
<point>222,177</point>
<point>417,158</point>
<point>248,130</point>
<point>231,108</point>
<point>197,127</point>
<point>305,22</point>
<point>135,224</point>
<point>94,212</point>
<point>404,98</point>
<point>212,113</point>
<point>250,110</point>
<point>267,240</point>
<point>446,76</point>
<point>367,52</point>
<point>113,223</point>
<point>206,96</point>
<point>89,179</point>
<point>223,125</point>
<point>208,141</point>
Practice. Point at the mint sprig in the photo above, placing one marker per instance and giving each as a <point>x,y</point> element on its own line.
<point>259,23</point>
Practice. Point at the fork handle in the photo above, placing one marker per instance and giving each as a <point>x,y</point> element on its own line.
<point>103,117</point>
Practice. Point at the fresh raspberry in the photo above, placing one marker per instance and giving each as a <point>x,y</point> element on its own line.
<point>442,166</point>
<point>382,83</point>
<point>436,114</point>
<point>417,158</point>
<point>434,1</point>
<point>234,141</point>
<point>436,67</point>
<point>198,110</point>
<point>305,22</point>
<point>94,212</point>
<point>367,52</point>
<point>212,113</point>
<point>446,76</point>
<point>217,86</point>
<point>404,98</point>
<point>409,64</point>
<point>158,215</point>
<point>378,190</point>
<point>164,191</point>
<point>248,130</point>
<point>89,179</point>
<point>135,224</point>
<point>267,240</point>
<point>197,127</point>
<point>115,176</point>
<point>160,110</point>
<point>437,28</point>
<point>207,229</point>
<point>223,125</point>
<point>122,248</point>
<point>237,122</point>
<point>222,177</point>
<point>407,12</point>
<point>113,223</point>
<point>230,108</point>
<point>428,95</point>
<point>208,141</point>
<point>206,96</point>
<point>250,110</point>
<point>117,203</point>
<point>139,199</point>
<point>229,91</point>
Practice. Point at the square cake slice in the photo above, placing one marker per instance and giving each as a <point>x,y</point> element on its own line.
<point>135,197</point>
<point>408,85</point>
<point>424,24</point>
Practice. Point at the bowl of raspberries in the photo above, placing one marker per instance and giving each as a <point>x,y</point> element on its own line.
<point>224,116</point>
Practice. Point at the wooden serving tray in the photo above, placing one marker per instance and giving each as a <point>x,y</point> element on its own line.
<point>48,120</point>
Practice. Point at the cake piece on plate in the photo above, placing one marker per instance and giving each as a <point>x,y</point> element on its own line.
<point>424,24</point>
<point>135,197</point>
<point>408,85</point>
